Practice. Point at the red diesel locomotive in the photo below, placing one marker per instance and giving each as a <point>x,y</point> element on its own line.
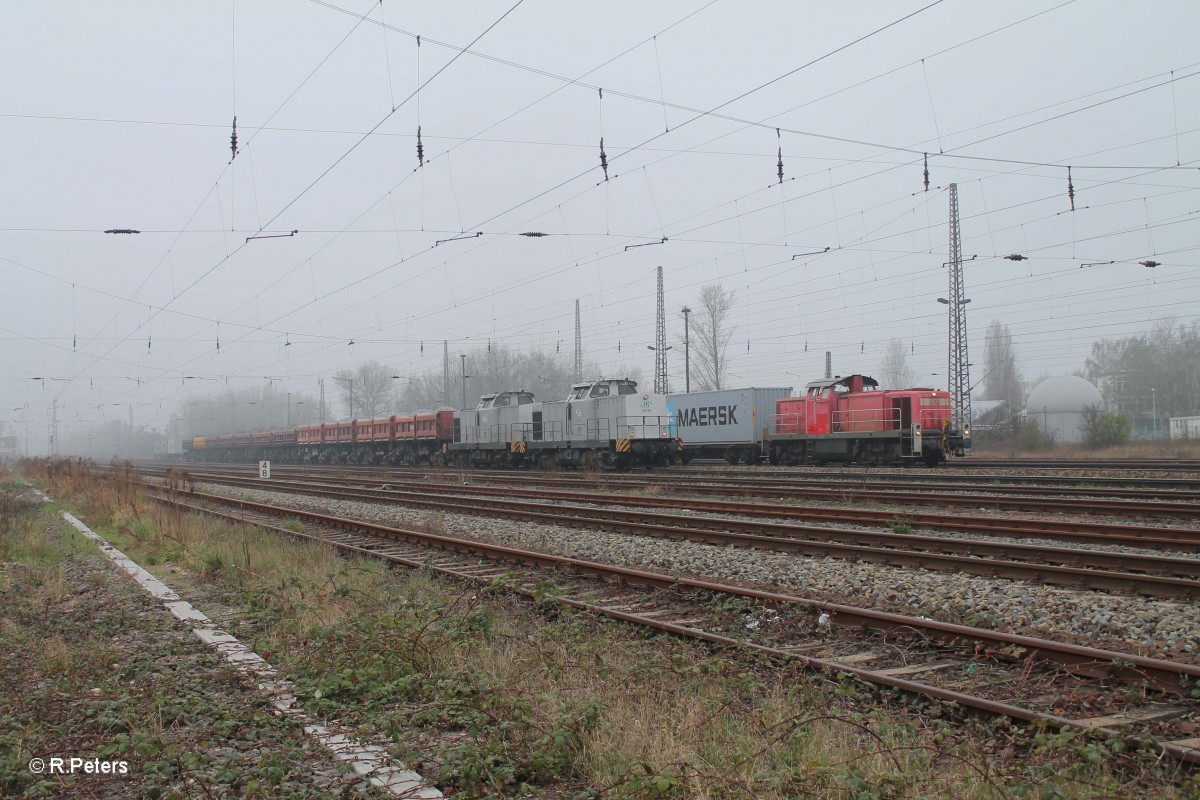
<point>851,419</point>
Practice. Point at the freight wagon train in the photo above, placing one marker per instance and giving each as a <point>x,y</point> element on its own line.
<point>841,419</point>
<point>609,423</point>
<point>605,423</point>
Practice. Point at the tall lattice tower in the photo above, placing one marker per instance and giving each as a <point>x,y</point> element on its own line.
<point>660,341</point>
<point>578,346</point>
<point>958,368</point>
<point>445,372</point>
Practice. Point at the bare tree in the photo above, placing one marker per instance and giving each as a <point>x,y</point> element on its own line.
<point>367,391</point>
<point>1149,375</point>
<point>1001,379</point>
<point>897,374</point>
<point>240,410</point>
<point>709,337</point>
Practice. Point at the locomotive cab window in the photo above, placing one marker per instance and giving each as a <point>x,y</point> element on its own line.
<point>600,390</point>
<point>626,387</point>
<point>524,399</point>
<point>500,401</point>
<point>580,393</point>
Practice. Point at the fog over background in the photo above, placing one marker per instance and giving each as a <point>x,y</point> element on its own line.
<point>118,115</point>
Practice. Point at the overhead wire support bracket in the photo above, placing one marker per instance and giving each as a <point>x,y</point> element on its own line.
<point>459,238</point>
<point>272,235</point>
<point>814,253</point>
<point>646,244</point>
<point>603,155</point>
<point>780,164</point>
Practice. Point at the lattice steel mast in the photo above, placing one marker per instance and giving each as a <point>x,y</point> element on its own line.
<point>578,346</point>
<point>958,370</point>
<point>446,373</point>
<point>660,341</point>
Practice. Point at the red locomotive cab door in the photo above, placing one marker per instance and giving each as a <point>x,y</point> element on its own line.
<point>818,413</point>
<point>901,414</point>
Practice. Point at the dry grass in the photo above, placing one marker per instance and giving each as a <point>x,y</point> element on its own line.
<point>55,655</point>
<point>1184,449</point>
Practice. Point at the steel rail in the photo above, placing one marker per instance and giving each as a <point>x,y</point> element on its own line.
<point>1105,486</point>
<point>753,487</point>
<point>778,484</point>
<point>1157,538</point>
<point>1046,565</point>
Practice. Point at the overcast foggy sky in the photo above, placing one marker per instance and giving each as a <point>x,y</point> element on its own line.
<point>117,115</point>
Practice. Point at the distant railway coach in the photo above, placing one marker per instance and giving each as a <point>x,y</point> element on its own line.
<point>381,440</point>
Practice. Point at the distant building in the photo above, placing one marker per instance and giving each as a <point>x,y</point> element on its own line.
<point>1057,404</point>
<point>1185,427</point>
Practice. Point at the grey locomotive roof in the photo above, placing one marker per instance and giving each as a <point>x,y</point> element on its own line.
<point>821,384</point>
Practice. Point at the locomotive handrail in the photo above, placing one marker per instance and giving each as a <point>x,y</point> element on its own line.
<point>551,431</point>
<point>647,426</point>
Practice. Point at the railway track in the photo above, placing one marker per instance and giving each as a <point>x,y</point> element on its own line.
<point>1180,489</point>
<point>1021,678</point>
<point>1067,531</point>
<point>1160,464</point>
<point>1179,504</point>
<point>1150,575</point>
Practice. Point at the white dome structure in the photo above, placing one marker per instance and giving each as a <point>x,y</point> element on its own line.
<point>1057,405</point>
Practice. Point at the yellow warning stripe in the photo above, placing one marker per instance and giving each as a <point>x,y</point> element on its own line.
<point>622,445</point>
<point>517,447</point>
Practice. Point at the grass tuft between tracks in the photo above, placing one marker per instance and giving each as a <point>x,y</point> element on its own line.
<point>493,696</point>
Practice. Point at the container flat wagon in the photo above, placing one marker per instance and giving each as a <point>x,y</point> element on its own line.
<point>726,423</point>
